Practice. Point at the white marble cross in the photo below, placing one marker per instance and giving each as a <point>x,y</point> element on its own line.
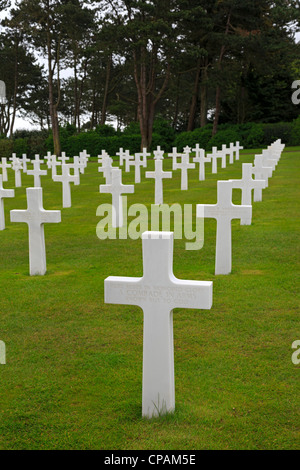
<point>63,158</point>
<point>184,166</point>
<point>106,169</point>
<point>238,147</point>
<point>127,158</point>
<point>49,159</point>
<point>53,164</point>
<point>214,158</point>
<point>137,163</point>
<point>231,151</point>
<point>37,172</point>
<point>269,160</point>
<point>103,156</point>
<point>78,167</point>
<point>17,167</point>
<point>201,159</point>
<point>4,165</point>
<point>35,217</point>
<point>174,155</point>
<point>158,293</point>
<point>4,193</point>
<point>116,189</point>
<point>65,178</point>
<point>260,172</point>
<point>158,153</point>
<point>224,211</point>
<point>121,153</point>
<point>143,155</point>
<point>25,160</point>
<point>247,184</point>
<point>158,174</point>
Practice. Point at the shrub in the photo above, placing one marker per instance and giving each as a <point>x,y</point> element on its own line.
<point>280,130</point>
<point>21,146</point>
<point>6,148</point>
<point>295,132</point>
<point>223,137</point>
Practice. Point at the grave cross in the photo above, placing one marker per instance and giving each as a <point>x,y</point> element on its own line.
<point>121,154</point>
<point>128,158</point>
<point>49,159</point>
<point>25,160</point>
<point>137,163</point>
<point>4,193</point>
<point>201,159</point>
<point>78,167</point>
<point>158,174</point>
<point>158,153</point>
<point>63,158</point>
<point>213,157</point>
<point>116,189</point>
<point>247,184</point>
<point>174,156</point>
<point>143,155</point>
<point>53,164</point>
<point>35,217</point>
<point>17,167</point>
<point>37,172</point>
<point>224,211</point>
<point>231,151</point>
<point>65,178</point>
<point>260,172</point>
<point>106,169</point>
<point>184,166</point>
<point>268,160</point>
<point>238,147</point>
<point>158,292</point>
<point>4,165</point>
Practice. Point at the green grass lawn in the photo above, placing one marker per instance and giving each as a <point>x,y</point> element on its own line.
<point>73,377</point>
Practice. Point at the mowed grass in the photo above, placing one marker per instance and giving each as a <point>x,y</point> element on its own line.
<point>73,378</point>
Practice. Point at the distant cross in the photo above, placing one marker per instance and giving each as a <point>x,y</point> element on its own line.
<point>49,159</point>
<point>158,292</point>
<point>116,189</point>
<point>184,166</point>
<point>231,151</point>
<point>158,174</point>
<point>201,159</point>
<point>17,167</point>
<point>4,165</point>
<point>269,160</point>
<point>53,164</point>
<point>106,169</point>
<point>103,156</point>
<point>37,172</point>
<point>4,193</point>
<point>63,158</point>
<point>25,160</point>
<point>65,178</point>
<point>247,184</point>
<point>78,168</point>
<point>127,158</point>
<point>238,147</point>
<point>137,163</point>
<point>224,212</point>
<point>143,155</point>
<point>260,172</point>
<point>213,157</point>
<point>124,155</point>
<point>158,153</point>
<point>174,156</point>
<point>35,217</point>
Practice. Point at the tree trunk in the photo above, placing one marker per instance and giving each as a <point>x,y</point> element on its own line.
<point>193,107</point>
<point>105,94</point>
<point>52,106</point>
<point>15,93</point>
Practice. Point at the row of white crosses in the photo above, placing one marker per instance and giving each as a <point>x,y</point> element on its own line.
<point>158,291</point>
<point>35,216</point>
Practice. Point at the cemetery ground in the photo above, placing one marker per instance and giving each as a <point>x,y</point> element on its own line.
<point>73,373</point>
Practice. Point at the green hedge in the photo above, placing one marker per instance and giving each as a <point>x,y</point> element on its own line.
<point>250,135</point>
